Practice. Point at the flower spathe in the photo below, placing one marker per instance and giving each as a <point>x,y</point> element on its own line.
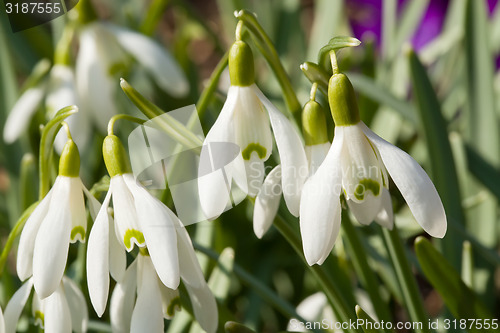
<point>358,164</point>
<point>246,120</point>
<point>65,310</point>
<point>58,220</point>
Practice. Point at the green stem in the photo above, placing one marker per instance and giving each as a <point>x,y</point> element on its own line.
<point>267,48</point>
<point>366,274</point>
<point>338,303</point>
<point>208,92</point>
<point>18,227</point>
<point>405,277</point>
<point>153,16</point>
<point>116,117</point>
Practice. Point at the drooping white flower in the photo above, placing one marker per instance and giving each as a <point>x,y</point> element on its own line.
<point>65,310</point>
<point>358,164</point>
<point>143,220</point>
<point>246,120</point>
<point>316,149</point>
<point>57,221</point>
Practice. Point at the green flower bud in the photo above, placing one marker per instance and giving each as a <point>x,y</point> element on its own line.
<point>115,156</point>
<point>241,66</point>
<point>342,101</point>
<point>69,163</point>
<point>314,124</point>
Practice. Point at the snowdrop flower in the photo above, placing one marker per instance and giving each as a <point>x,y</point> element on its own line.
<point>104,49</point>
<point>358,164</point>
<point>143,220</point>
<point>58,220</point>
<point>155,301</point>
<point>246,120</point>
<point>65,310</point>
<point>316,148</point>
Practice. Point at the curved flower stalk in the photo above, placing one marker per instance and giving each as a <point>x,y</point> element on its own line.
<point>58,220</point>
<point>358,164</point>
<point>316,149</point>
<point>246,120</point>
<point>65,310</point>
<point>143,220</point>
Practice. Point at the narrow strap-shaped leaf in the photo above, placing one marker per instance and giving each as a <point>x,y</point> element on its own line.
<point>234,327</point>
<point>367,322</point>
<point>443,170</point>
<point>460,299</point>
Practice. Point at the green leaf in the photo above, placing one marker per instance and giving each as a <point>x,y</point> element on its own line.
<point>368,321</point>
<point>47,140</point>
<point>409,21</point>
<point>460,299</point>
<point>27,178</point>
<point>467,264</point>
<point>486,173</point>
<point>234,327</point>
<point>443,170</point>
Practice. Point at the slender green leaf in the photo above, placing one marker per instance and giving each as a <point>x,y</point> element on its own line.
<point>409,21</point>
<point>460,299</point>
<point>486,173</point>
<point>234,327</point>
<point>467,264</point>
<point>220,279</point>
<point>443,170</point>
<point>367,321</point>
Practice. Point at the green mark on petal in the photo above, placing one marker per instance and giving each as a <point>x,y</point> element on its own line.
<point>39,316</point>
<point>79,230</point>
<point>132,233</point>
<point>366,184</point>
<point>174,305</point>
<point>261,151</point>
<point>144,251</point>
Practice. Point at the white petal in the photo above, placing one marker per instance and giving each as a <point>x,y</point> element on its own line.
<point>190,269</point>
<point>57,317</point>
<point>77,209</point>
<point>320,206</point>
<point>62,89</point>
<point>122,301</point>
<point>414,184</point>
<point>385,216</point>
<point>126,219</point>
<point>366,211</point>
<point>159,233</point>
<point>170,301</point>
<point>52,241</point>
<point>204,307</point>
<point>16,305</point>
<point>95,87</point>
<point>77,306</point>
<point>2,322</point>
<point>251,125</point>
<point>213,185</point>
<point>21,113</point>
<point>155,58</point>
<point>361,170</point>
<point>255,174</point>
<point>98,259</point>
<point>147,315</point>
<point>267,202</point>
<point>24,264</point>
<point>315,155</point>
<point>92,203</point>
<point>294,164</point>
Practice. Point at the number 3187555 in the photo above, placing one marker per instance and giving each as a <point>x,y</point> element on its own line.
<point>33,8</point>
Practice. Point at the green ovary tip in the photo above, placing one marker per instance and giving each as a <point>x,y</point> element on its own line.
<point>79,230</point>
<point>247,152</point>
<point>174,304</point>
<point>366,184</point>
<point>40,316</point>
<point>132,233</point>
